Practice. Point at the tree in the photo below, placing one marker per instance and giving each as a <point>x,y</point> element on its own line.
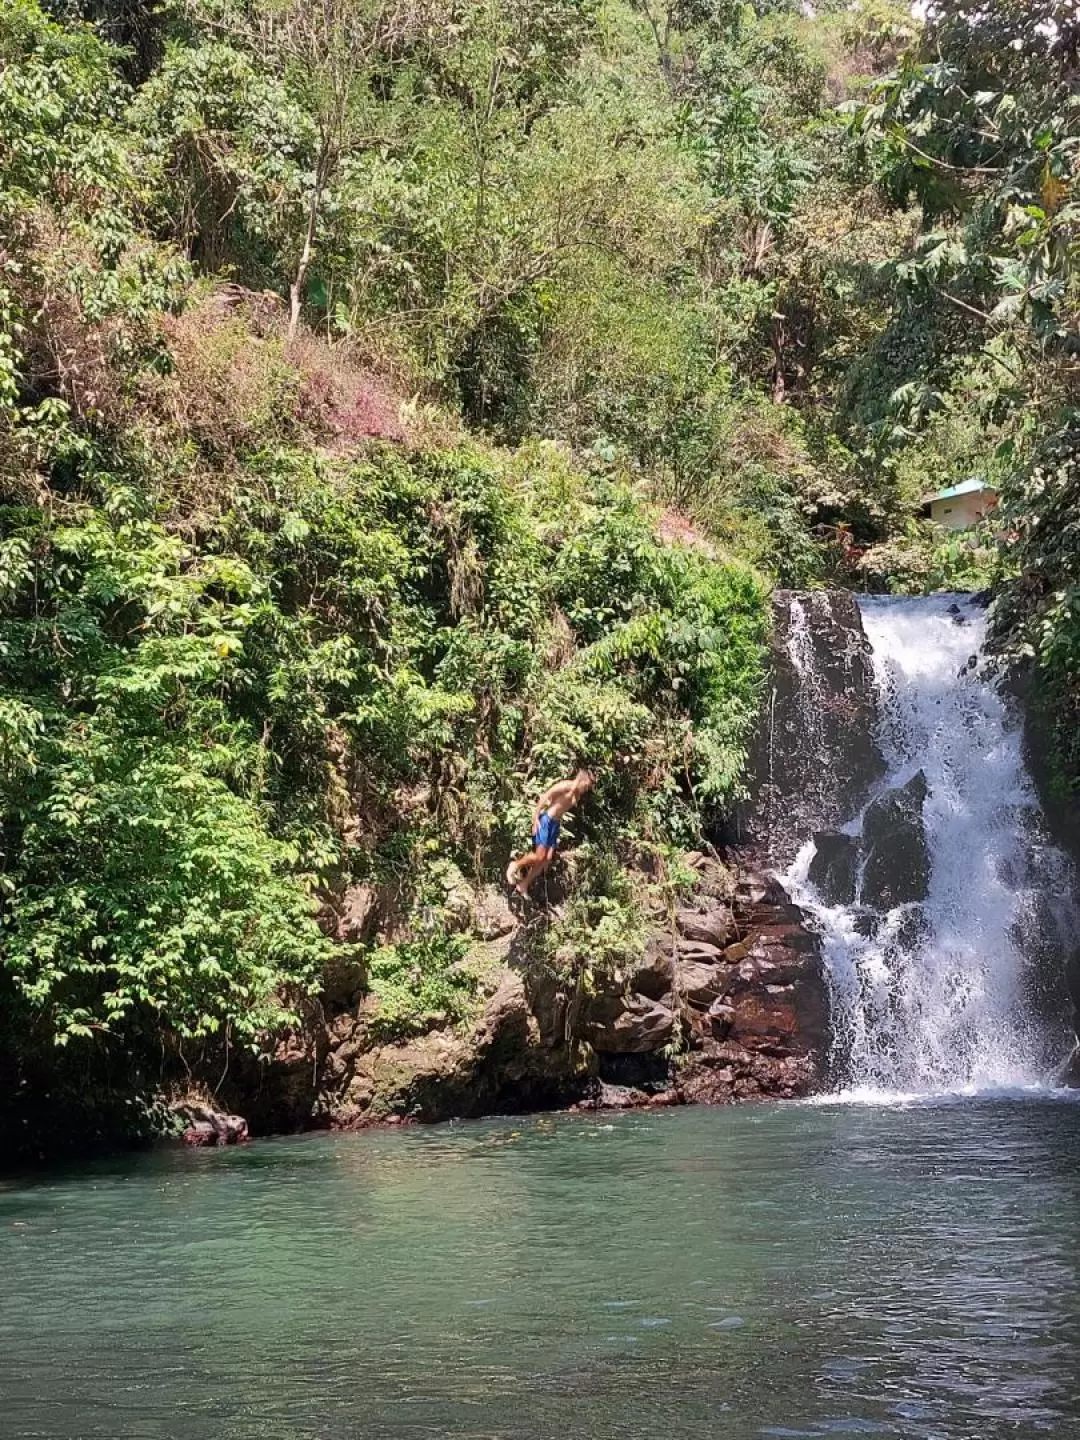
<point>325,52</point>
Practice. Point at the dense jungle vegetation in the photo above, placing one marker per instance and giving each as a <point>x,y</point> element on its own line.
<point>405,401</point>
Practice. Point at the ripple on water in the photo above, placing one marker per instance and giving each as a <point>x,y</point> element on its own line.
<point>413,1284</point>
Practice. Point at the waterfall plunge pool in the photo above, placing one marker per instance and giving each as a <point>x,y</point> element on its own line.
<point>759,1271</point>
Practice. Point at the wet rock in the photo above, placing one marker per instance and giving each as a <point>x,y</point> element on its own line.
<point>897,865</point>
<point>627,1023</point>
<point>727,1071</point>
<point>614,1097</point>
<point>1069,1075</point>
<point>205,1126</point>
<point>866,922</point>
<point>753,890</point>
<point>835,865</point>
<point>814,759</point>
<point>703,1082</point>
<point>720,1013</point>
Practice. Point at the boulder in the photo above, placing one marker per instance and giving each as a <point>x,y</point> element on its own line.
<point>835,866</point>
<point>614,1097</point>
<point>623,1024</point>
<point>712,926</point>
<point>652,977</point>
<point>205,1126</point>
<point>697,952</point>
<point>897,866</point>
<point>700,984</point>
<point>505,1026</point>
<point>493,917</point>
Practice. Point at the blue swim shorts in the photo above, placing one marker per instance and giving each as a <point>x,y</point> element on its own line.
<point>547,832</point>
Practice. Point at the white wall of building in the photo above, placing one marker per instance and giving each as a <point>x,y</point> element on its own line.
<point>962,510</point>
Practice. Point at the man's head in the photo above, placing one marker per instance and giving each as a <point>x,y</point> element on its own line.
<point>583,781</point>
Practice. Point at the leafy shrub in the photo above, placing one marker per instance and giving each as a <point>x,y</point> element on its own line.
<point>416,986</point>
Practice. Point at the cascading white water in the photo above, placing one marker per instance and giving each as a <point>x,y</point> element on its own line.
<point>941,995</point>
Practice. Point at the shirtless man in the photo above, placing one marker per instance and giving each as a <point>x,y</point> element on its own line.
<point>550,809</point>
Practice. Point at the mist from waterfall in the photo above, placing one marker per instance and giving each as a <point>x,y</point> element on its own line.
<point>947,992</point>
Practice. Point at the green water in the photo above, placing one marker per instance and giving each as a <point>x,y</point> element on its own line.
<point>762,1271</point>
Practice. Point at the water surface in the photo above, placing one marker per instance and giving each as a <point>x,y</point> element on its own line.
<point>760,1271</point>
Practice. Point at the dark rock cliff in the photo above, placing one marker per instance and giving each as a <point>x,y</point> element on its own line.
<point>814,760</point>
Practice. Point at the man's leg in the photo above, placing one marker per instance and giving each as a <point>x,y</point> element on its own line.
<point>537,863</point>
<point>519,867</point>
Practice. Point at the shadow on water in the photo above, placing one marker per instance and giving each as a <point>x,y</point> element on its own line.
<point>764,1271</point>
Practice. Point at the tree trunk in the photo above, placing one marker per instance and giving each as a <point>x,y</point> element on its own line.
<point>779,387</point>
<point>296,289</point>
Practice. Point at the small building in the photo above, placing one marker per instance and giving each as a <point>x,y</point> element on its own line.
<point>960,506</point>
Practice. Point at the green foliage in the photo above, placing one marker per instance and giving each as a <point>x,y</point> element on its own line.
<point>354,661</point>
<point>249,656</point>
<point>141,884</point>
<point>980,125</point>
<point>1038,613</point>
<point>930,559</point>
<point>419,984</point>
<point>601,932</point>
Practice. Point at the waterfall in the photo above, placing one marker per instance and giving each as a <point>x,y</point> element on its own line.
<point>941,904</point>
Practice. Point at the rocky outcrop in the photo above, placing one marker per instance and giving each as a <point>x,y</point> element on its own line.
<point>205,1126</point>
<point>766,1030</point>
<point>896,864</point>
<point>615,1023</point>
<point>724,1002</point>
<point>814,760</point>
<point>498,1061</point>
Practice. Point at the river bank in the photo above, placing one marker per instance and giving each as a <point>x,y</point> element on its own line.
<point>724,999</point>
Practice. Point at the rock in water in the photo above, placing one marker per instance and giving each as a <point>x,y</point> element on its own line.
<point>897,869</point>
<point>206,1126</point>
<point>835,866</point>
